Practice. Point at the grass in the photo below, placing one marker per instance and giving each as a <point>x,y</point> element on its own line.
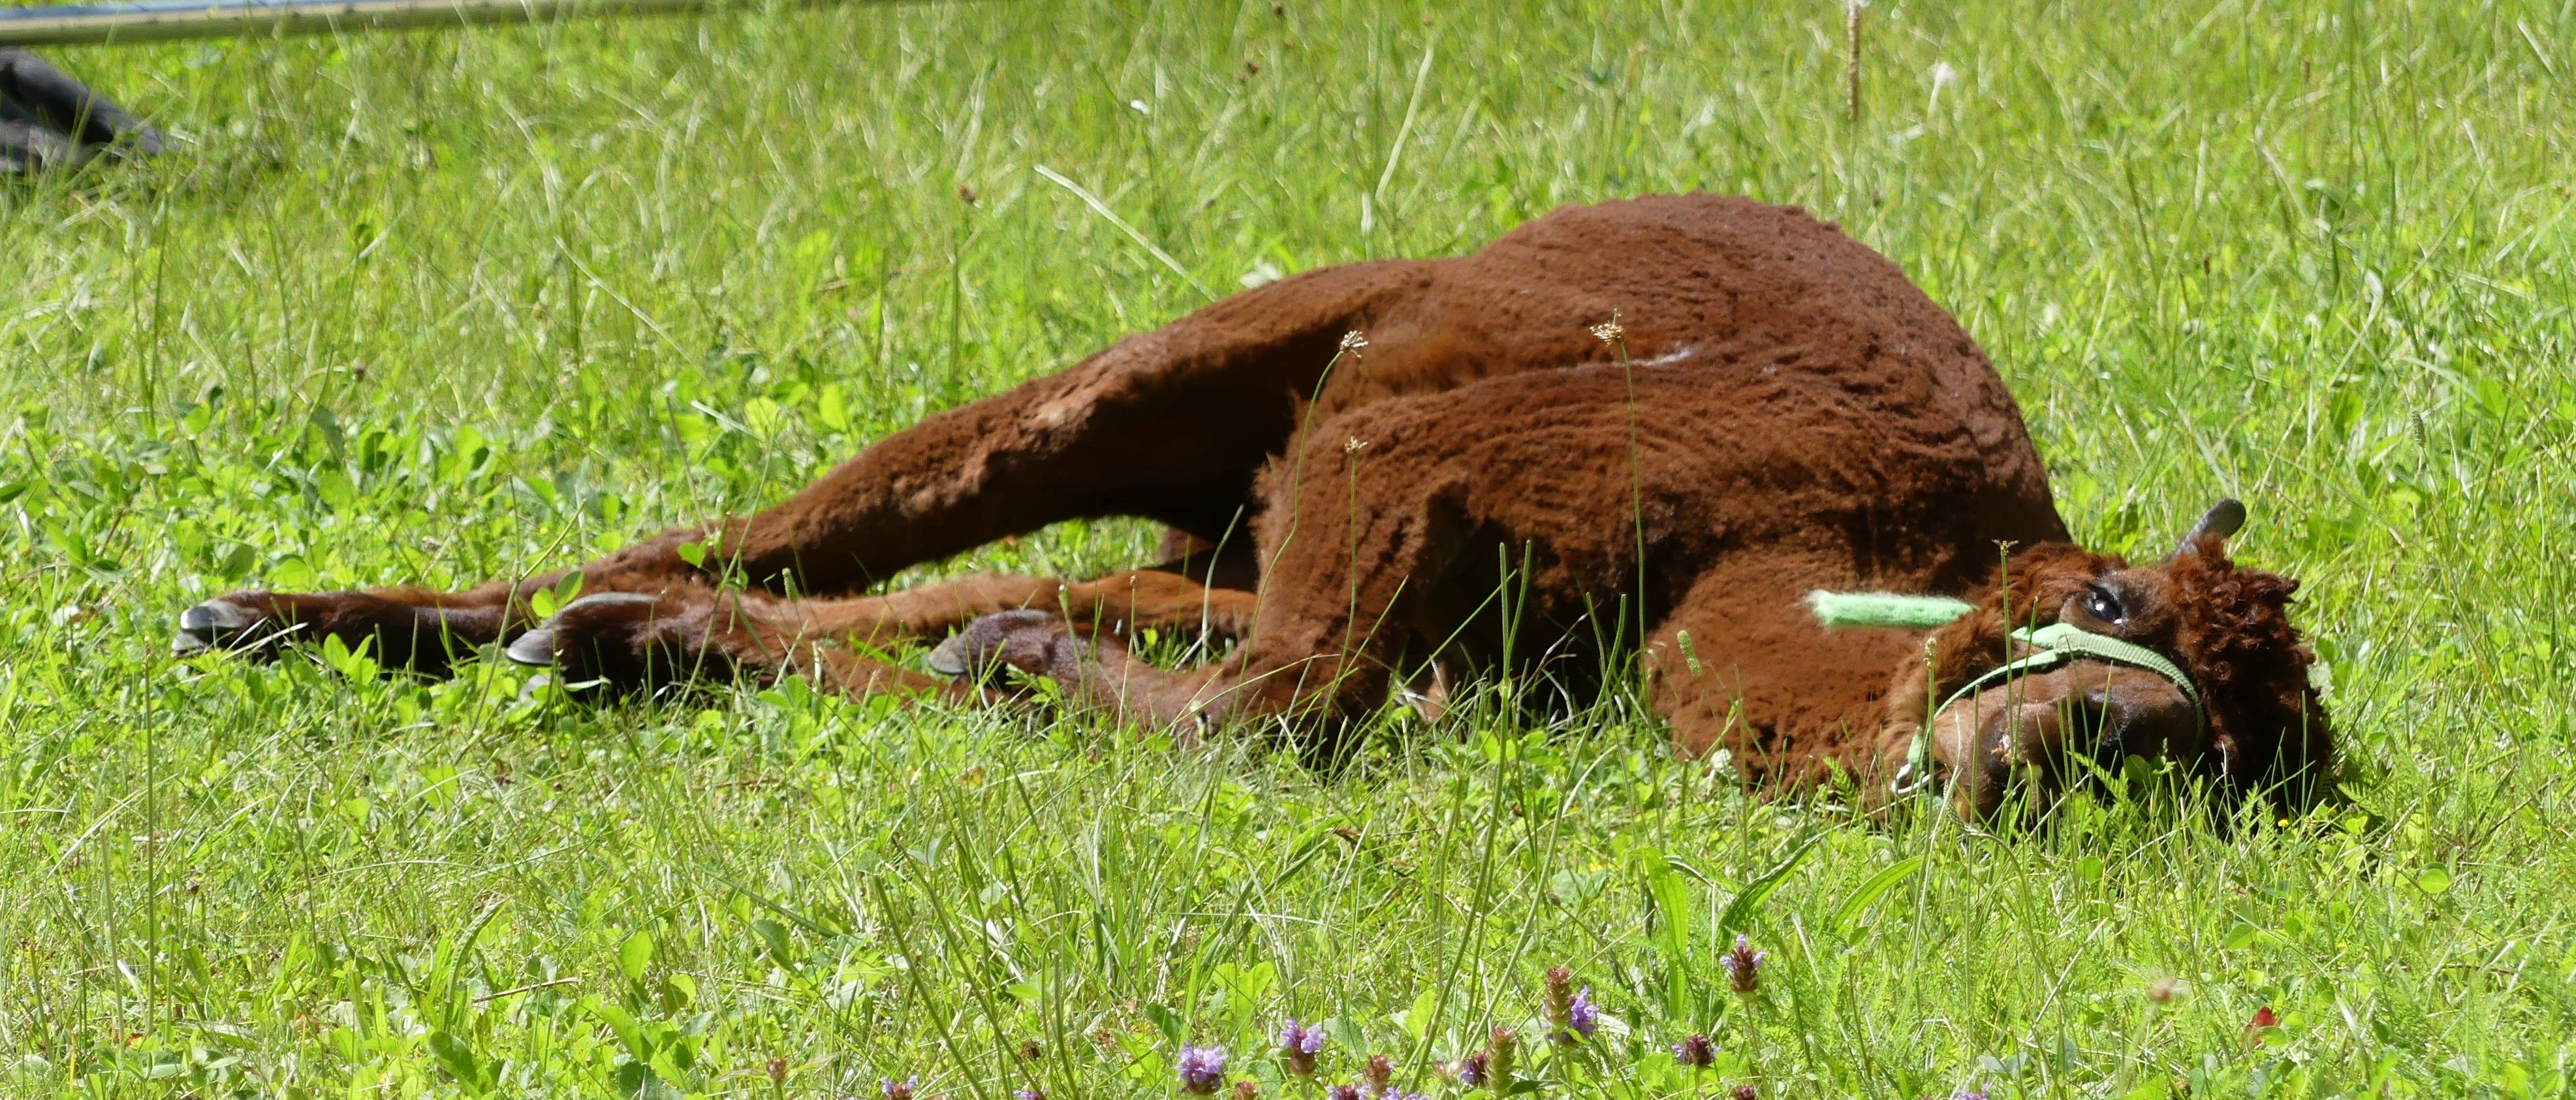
<point>434,306</point>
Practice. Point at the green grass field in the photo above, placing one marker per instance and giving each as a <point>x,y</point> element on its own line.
<point>433,307</point>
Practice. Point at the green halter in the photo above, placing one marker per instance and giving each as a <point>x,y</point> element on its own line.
<point>2052,645</point>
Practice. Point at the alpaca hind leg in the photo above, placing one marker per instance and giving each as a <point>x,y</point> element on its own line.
<point>632,640</point>
<point>1171,425</point>
<point>1350,545</point>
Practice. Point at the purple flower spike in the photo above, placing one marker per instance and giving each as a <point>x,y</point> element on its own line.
<point>1743,966</point>
<point>1471,1071</point>
<point>1582,1017</point>
<point>1973,1094</point>
<point>898,1090</point>
<point>1202,1069</point>
<point>1696,1052</point>
<point>1298,1046</point>
<point>1346,1092</point>
<point>1028,1094</point>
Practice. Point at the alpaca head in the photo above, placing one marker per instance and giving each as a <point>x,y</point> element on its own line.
<point>2255,726</point>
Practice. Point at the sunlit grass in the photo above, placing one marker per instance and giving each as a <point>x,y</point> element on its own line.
<point>432,307</point>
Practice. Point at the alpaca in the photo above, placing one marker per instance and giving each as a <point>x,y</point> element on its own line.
<point>1649,427</point>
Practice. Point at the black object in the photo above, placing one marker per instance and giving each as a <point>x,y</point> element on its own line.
<point>126,21</point>
<point>49,120</point>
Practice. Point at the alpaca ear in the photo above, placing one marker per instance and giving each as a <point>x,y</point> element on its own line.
<point>2223,519</point>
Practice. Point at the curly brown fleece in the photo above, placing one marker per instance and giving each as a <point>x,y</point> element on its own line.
<point>2268,727</point>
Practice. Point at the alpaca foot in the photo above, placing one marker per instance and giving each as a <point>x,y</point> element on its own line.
<point>628,641</point>
<point>398,634</point>
<point>1039,643</point>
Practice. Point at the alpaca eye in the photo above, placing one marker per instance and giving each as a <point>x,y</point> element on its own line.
<point>2101,604</point>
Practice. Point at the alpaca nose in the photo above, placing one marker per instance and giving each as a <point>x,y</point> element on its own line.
<point>2134,716</point>
<point>2109,720</point>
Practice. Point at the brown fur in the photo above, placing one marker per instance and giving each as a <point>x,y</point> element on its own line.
<point>1783,411</point>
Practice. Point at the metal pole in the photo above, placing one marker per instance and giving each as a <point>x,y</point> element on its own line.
<point>161,20</point>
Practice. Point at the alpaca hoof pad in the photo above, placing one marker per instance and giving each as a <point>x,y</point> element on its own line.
<point>209,625</point>
<point>973,653</point>
<point>536,647</point>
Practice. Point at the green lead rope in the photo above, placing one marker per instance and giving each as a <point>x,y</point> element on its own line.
<point>2053,645</point>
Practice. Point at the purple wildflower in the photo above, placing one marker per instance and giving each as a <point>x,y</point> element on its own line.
<point>1299,1044</point>
<point>1743,966</point>
<point>1746,1091</point>
<point>1346,1092</point>
<point>898,1090</point>
<point>1696,1052</point>
<point>1028,1094</point>
<point>1247,1089</point>
<point>1582,1017</point>
<point>1201,1069</point>
<point>1471,1071</point>
<point>1381,1069</point>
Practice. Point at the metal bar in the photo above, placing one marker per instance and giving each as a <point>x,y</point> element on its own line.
<point>162,20</point>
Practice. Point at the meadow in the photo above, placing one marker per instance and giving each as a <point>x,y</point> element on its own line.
<point>433,306</point>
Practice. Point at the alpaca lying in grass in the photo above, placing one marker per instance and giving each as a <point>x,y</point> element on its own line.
<point>1650,426</point>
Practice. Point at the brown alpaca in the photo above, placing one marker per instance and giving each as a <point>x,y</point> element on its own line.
<point>1447,462</point>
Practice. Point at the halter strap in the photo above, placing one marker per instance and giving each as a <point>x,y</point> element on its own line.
<point>2052,645</point>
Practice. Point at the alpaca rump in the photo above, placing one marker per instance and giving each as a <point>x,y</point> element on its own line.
<point>1655,424</point>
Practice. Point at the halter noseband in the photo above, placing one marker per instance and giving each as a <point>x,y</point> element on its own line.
<point>2052,645</point>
